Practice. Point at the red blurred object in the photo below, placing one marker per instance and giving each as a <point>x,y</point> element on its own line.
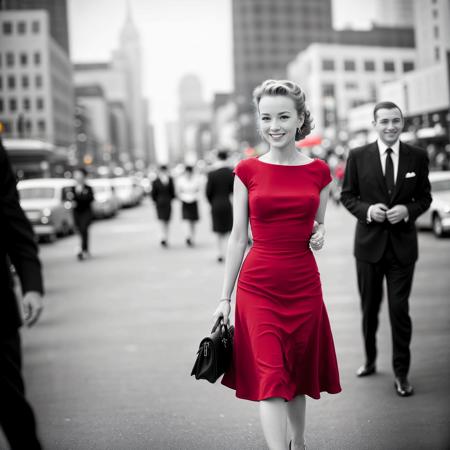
<point>310,141</point>
<point>249,152</point>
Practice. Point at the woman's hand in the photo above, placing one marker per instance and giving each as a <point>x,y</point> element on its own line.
<point>318,237</point>
<point>223,310</point>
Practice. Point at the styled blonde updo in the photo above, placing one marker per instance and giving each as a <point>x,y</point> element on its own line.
<point>291,90</point>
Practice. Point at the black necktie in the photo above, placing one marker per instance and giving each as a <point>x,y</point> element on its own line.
<point>389,172</point>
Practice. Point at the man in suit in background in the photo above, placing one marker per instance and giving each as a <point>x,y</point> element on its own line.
<point>386,188</point>
<point>17,247</point>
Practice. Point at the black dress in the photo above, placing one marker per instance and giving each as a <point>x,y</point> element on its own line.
<point>162,195</point>
<point>218,189</point>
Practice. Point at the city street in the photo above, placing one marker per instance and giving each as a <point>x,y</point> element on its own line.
<point>108,365</point>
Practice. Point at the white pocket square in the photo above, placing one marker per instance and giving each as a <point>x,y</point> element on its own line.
<point>410,175</point>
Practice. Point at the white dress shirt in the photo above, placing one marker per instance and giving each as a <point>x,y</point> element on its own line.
<point>382,147</point>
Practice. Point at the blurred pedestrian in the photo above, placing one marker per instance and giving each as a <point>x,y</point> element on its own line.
<point>386,188</point>
<point>188,188</point>
<point>219,188</point>
<point>163,192</point>
<point>283,346</point>
<point>17,246</point>
<point>82,198</point>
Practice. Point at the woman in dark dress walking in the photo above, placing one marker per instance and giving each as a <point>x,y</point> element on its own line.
<point>82,198</point>
<point>163,192</point>
<point>219,188</point>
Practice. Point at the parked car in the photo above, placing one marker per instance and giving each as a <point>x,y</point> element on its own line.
<point>438,216</point>
<point>128,190</point>
<point>106,203</point>
<point>45,203</point>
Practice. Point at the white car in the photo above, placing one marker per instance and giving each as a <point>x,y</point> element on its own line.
<point>438,216</point>
<point>106,203</point>
<point>45,203</point>
<point>129,191</point>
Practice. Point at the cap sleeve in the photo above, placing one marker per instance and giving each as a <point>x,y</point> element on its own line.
<point>241,170</point>
<point>326,175</point>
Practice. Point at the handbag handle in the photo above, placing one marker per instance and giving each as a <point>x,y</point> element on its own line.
<point>219,319</point>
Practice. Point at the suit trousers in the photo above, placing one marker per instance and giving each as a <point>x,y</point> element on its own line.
<point>398,282</point>
<point>16,416</point>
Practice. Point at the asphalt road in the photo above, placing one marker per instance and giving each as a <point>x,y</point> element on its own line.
<point>108,365</point>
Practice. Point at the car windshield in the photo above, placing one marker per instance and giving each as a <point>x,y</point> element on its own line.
<point>36,192</point>
<point>441,185</point>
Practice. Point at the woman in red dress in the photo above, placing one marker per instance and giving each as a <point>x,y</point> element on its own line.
<point>283,346</point>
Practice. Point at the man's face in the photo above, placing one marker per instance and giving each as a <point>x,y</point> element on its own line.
<point>388,124</point>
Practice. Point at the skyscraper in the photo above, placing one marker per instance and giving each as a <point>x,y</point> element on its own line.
<point>267,35</point>
<point>57,11</point>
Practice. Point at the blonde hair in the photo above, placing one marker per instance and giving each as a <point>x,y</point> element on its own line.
<point>289,89</point>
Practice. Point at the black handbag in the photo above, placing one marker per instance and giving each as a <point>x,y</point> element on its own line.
<point>214,353</point>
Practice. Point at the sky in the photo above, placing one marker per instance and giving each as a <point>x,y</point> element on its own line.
<point>178,37</point>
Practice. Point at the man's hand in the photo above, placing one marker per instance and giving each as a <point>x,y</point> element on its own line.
<point>378,212</point>
<point>32,305</point>
<point>397,213</point>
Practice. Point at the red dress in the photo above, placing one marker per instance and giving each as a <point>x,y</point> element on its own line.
<point>283,344</point>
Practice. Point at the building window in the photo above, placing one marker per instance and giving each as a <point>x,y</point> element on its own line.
<point>7,28</point>
<point>349,65</point>
<point>41,126</point>
<point>40,103</point>
<point>437,54</point>
<point>11,82</point>
<point>38,81</point>
<point>1,59</point>
<point>28,126</point>
<point>35,26</point>
<point>37,58</point>
<point>369,66</point>
<point>10,59</point>
<point>23,59</point>
<point>1,105</point>
<point>22,27</point>
<point>1,83</point>
<point>26,104</point>
<point>25,81</point>
<point>408,66</point>
<point>351,85</point>
<point>436,32</point>
<point>328,64</point>
<point>389,66</point>
<point>435,14</point>
<point>12,104</point>
<point>328,90</point>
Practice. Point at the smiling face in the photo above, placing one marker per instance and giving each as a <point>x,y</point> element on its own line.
<point>388,124</point>
<point>278,120</point>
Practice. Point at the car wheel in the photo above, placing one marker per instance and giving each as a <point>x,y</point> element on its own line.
<point>437,226</point>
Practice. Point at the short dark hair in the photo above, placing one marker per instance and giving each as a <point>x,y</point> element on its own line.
<point>222,155</point>
<point>163,167</point>
<point>385,105</point>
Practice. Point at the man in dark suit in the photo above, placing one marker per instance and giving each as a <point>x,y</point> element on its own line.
<point>386,188</point>
<point>17,247</point>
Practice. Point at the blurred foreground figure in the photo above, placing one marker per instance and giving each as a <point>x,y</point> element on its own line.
<point>219,188</point>
<point>163,192</point>
<point>17,246</point>
<point>386,188</point>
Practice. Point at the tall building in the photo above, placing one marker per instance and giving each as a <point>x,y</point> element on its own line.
<point>268,34</point>
<point>337,78</point>
<point>432,26</point>
<point>57,13</point>
<point>36,88</point>
<point>122,82</point>
<point>394,13</point>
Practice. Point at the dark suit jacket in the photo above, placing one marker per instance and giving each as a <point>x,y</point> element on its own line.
<point>82,210</point>
<point>364,185</point>
<point>17,246</point>
<point>219,186</point>
<point>163,194</point>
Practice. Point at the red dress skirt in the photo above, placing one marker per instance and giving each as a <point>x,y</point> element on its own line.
<point>283,346</point>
